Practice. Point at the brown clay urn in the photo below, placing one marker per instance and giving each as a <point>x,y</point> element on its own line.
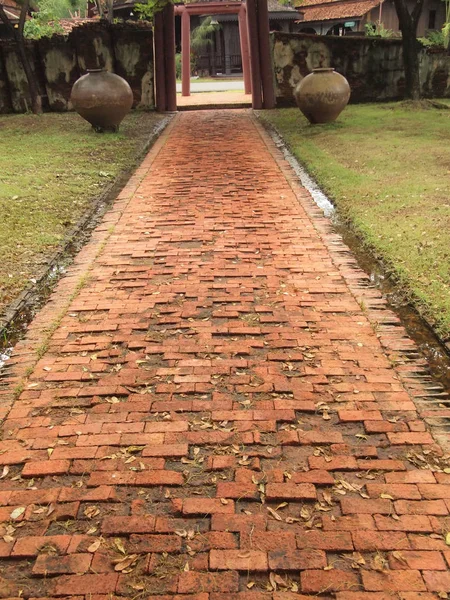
<point>102,98</point>
<point>322,95</point>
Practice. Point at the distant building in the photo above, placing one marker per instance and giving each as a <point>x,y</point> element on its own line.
<point>223,55</point>
<point>347,17</point>
<point>12,10</point>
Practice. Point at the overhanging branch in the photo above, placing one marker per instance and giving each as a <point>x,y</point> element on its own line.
<point>23,15</point>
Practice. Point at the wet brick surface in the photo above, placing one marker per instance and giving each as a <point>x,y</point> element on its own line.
<point>216,404</point>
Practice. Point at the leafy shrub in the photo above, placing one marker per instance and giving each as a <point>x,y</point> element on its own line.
<point>433,39</point>
<point>378,30</point>
<point>41,24</point>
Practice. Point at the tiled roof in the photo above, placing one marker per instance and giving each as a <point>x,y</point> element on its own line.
<point>11,8</point>
<point>276,6</point>
<point>299,4</point>
<point>69,24</point>
<point>326,11</point>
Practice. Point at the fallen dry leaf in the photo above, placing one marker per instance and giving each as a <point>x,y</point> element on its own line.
<point>91,511</point>
<point>124,563</point>
<point>95,546</point>
<point>119,545</point>
<point>17,512</point>
<point>274,514</point>
<point>378,563</point>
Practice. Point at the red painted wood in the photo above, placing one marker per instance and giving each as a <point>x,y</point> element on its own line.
<point>185,53</point>
<point>243,34</point>
<point>209,8</point>
<point>169,57</point>
<point>160,79</point>
<point>253,45</point>
<point>265,56</point>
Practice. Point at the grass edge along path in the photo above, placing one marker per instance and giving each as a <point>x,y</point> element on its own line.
<point>386,167</point>
<point>54,168</point>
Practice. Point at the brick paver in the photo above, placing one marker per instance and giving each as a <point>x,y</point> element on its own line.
<point>215,405</point>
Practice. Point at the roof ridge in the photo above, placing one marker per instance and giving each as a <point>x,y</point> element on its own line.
<point>316,3</point>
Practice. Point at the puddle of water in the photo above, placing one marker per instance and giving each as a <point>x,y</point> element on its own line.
<point>427,341</point>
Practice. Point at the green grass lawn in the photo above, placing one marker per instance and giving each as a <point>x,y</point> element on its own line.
<point>387,168</point>
<point>52,167</point>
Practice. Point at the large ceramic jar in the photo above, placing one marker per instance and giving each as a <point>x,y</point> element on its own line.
<point>322,95</point>
<point>102,98</point>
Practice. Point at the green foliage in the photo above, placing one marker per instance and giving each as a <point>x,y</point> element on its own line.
<point>201,35</point>
<point>433,39</point>
<point>38,27</point>
<point>44,21</point>
<point>41,25</point>
<point>147,10</point>
<point>178,65</point>
<point>446,34</point>
<point>378,30</point>
<point>446,26</point>
<point>62,9</point>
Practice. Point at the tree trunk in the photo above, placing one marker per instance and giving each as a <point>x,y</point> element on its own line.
<point>408,22</point>
<point>17,34</point>
<point>411,64</point>
<point>110,12</point>
<point>33,87</point>
<point>99,7</point>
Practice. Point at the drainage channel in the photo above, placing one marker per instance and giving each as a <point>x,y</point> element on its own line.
<point>437,380</point>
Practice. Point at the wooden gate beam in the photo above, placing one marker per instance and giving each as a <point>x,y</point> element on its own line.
<point>169,57</point>
<point>253,45</point>
<point>209,8</point>
<point>243,34</point>
<point>185,53</point>
<point>265,56</point>
<point>158,52</point>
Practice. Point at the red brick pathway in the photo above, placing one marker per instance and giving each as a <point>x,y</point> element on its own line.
<point>205,412</point>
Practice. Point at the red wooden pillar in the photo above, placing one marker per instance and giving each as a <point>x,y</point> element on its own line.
<point>185,53</point>
<point>243,34</point>
<point>158,51</point>
<point>253,45</point>
<point>265,56</point>
<point>168,16</point>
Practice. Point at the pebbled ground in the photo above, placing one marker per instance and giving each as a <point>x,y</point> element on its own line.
<point>217,405</point>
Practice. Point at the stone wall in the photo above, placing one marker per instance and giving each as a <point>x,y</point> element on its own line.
<point>125,49</point>
<point>373,66</point>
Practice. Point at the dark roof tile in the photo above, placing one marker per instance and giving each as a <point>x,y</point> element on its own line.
<point>326,11</point>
